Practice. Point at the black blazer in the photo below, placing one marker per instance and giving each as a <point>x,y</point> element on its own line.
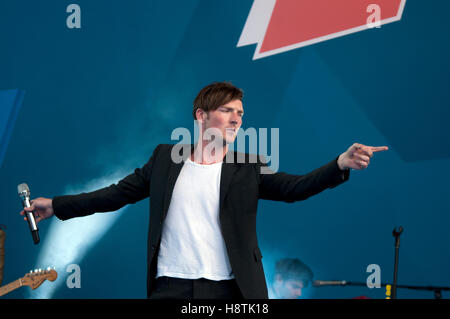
<point>241,186</point>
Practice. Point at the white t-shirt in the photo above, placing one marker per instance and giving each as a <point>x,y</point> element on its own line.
<point>192,245</point>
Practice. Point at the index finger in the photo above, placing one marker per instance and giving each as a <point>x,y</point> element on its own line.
<point>378,148</point>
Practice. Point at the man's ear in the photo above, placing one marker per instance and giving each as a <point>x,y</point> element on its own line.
<point>201,115</point>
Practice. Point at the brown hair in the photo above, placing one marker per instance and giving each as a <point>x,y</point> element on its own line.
<point>215,95</point>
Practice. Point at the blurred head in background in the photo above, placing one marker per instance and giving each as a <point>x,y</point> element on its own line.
<point>291,276</point>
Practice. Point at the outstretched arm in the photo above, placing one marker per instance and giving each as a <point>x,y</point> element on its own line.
<point>291,188</point>
<point>129,190</point>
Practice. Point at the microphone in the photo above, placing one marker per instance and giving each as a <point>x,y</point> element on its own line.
<point>318,283</point>
<point>24,193</point>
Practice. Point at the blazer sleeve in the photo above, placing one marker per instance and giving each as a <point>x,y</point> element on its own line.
<point>129,190</point>
<point>291,188</point>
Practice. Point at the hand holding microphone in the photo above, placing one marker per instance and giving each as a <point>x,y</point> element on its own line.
<point>34,210</point>
<point>42,208</point>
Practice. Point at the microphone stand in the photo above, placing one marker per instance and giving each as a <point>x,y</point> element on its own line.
<point>396,233</point>
<point>436,289</point>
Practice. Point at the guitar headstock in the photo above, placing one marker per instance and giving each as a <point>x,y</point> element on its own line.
<point>35,278</point>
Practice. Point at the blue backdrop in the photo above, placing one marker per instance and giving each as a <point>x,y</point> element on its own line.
<point>89,105</point>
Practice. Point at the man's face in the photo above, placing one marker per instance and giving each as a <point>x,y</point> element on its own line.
<point>290,289</point>
<point>227,119</point>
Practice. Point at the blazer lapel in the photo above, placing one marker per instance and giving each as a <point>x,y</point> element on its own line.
<point>228,169</point>
<point>174,172</point>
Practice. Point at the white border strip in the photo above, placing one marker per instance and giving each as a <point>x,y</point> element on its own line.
<point>257,22</point>
<point>259,55</point>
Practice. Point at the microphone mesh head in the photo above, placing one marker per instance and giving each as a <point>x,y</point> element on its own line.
<point>23,188</point>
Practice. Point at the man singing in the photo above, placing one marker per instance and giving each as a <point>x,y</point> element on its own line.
<point>202,233</point>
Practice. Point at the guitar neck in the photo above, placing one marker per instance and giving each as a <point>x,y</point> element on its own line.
<point>10,287</point>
